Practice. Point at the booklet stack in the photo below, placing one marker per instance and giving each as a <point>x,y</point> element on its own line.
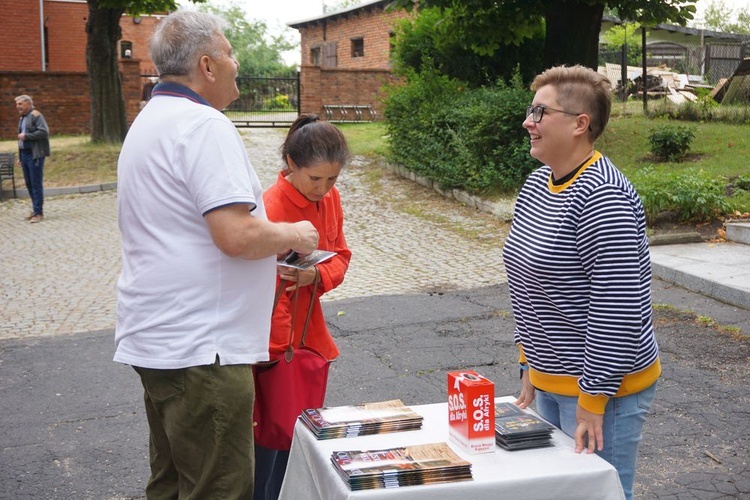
<point>405,466</point>
<point>360,420</point>
<point>517,430</point>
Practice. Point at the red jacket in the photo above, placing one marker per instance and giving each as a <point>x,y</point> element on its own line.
<point>285,204</point>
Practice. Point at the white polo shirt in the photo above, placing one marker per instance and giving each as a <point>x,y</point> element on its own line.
<point>181,300</point>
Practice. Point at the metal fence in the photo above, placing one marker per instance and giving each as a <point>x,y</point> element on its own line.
<point>712,61</point>
<point>272,101</point>
<point>265,101</point>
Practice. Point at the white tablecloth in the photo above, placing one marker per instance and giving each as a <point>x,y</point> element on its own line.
<point>544,473</point>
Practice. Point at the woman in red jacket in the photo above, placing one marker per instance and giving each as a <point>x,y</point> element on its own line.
<point>314,153</point>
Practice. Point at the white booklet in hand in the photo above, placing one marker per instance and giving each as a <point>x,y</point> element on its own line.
<point>295,261</point>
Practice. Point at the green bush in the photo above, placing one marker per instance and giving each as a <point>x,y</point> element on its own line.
<point>741,182</point>
<point>431,39</point>
<point>279,102</point>
<point>692,195</point>
<point>470,139</point>
<point>671,142</point>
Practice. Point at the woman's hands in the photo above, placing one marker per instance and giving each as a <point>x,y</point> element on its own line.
<point>589,426</point>
<point>528,392</point>
<point>299,277</point>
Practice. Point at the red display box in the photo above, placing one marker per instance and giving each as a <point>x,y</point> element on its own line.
<point>471,414</point>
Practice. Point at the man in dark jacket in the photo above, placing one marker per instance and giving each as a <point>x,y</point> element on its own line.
<point>33,147</point>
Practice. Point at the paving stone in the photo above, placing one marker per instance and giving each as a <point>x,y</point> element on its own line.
<point>59,276</point>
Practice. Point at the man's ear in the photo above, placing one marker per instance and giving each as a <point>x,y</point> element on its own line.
<point>205,65</point>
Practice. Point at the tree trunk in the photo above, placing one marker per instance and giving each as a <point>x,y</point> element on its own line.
<point>108,120</point>
<point>583,21</point>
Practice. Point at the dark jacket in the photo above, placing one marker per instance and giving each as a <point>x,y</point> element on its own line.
<point>37,134</point>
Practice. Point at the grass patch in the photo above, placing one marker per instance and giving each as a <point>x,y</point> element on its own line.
<point>365,139</point>
<point>718,148</point>
<point>75,161</point>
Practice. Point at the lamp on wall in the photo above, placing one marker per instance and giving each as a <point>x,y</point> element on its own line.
<point>136,19</point>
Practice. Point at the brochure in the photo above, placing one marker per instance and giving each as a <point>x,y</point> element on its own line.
<point>295,261</point>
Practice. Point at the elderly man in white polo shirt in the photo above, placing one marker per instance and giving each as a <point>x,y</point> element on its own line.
<point>198,276</point>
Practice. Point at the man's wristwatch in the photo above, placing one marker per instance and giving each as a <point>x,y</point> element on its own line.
<point>524,367</point>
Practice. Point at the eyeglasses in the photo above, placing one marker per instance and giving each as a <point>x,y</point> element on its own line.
<point>537,112</point>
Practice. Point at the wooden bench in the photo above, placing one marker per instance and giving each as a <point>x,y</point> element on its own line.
<point>349,113</point>
<point>7,161</point>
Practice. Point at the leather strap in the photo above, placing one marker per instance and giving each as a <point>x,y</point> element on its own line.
<point>289,352</point>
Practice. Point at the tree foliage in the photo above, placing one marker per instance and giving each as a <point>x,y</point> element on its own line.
<point>258,52</point>
<point>427,41</point>
<point>719,17</point>
<point>571,27</point>
<point>625,34</point>
<point>108,119</point>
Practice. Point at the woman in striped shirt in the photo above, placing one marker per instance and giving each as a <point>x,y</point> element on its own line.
<point>579,274</point>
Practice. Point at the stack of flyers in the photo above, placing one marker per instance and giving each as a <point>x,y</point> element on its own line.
<point>359,420</point>
<point>403,466</point>
<point>517,430</point>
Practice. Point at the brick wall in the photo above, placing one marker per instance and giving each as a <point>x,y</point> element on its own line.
<point>20,24</point>
<point>342,86</point>
<point>374,27</point>
<point>65,21</point>
<point>139,34</point>
<point>66,35</point>
<point>353,80</point>
<point>62,97</point>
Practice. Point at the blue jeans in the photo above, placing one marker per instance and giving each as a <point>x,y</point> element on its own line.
<point>33,176</point>
<point>623,426</point>
<point>270,468</point>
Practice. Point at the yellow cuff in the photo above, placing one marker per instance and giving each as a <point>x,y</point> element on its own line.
<point>593,403</point>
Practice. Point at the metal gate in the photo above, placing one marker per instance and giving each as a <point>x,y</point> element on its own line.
<point>272,101</point>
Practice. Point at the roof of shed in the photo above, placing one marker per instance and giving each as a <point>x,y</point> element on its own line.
<point>343,13</point>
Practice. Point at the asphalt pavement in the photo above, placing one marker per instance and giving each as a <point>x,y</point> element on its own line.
<point>72,424</point>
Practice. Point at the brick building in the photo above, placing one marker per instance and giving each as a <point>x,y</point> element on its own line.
<point>346,56</point>
<point>43,54</point>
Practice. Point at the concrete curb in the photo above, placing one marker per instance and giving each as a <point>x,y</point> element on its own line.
<point>58,191</point>
<point>502,209</point>
<point>699,284</point>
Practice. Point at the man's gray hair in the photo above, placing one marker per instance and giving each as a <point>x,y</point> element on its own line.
<point>182,38</point>
<point>25,98</point>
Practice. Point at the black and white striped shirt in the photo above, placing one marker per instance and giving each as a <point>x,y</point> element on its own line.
<point>579,274</point>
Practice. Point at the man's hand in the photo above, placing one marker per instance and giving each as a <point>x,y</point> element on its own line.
<point>589,426</point>
<point>307,237</point>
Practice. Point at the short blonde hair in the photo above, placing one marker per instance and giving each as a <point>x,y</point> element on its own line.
<point>580,89</point>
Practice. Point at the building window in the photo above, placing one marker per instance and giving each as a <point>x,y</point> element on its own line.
<point>126,50</point>
<point>358,47</point>
<point>315,56</point>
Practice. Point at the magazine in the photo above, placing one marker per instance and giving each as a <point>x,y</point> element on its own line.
<point>295,261</point>
<point>403,466</point>
<point>517,430</point>
<point>359,420</point>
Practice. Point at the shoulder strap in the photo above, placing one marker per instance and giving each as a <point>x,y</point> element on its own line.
<point>310,306</point>
<point>295,296</point>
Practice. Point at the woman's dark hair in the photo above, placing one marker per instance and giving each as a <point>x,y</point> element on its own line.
<point>311,141</point>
